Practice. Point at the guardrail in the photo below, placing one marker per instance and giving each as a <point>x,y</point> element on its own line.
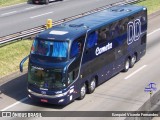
<point>33,31</point>
<point>151,105</point>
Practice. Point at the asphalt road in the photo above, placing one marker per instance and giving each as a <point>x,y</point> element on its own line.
<point>21,17</point>
<point>124,92</point>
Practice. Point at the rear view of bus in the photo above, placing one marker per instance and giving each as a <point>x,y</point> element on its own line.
<point>69,60</point>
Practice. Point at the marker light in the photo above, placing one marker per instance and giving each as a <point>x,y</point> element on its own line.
<point>49,23</point>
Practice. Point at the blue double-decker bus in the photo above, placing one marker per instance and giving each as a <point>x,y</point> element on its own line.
<point>72,59</point>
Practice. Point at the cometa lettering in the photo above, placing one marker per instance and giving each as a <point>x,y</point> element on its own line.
<point>103,49</point>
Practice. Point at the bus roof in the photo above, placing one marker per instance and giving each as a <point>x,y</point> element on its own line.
<point>76,28</point>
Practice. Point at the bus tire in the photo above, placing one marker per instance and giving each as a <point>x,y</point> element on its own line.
<point>33,2</point>
<point>133,61</point>
<point>47,2</point>
<point>92,86</point>
<point>82,92</point>
<point>126,65</point>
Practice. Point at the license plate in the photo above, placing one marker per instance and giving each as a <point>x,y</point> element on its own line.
<point>44,100</point>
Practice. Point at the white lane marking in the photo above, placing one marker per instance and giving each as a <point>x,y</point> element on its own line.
<point>30,8</point>
<point>40,15</point>
<point>135,72</point>
<point>8,13</point>
<point>153,32</point>
<point>22,100</point>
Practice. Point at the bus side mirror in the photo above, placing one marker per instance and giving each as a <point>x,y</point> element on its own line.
<point>22,62</point>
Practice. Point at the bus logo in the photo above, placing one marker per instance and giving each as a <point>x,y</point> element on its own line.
<point>134,31</point>
<point>38,68</point>
<point>103,49</point>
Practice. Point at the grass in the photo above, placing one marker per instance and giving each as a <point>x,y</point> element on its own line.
<point>152,5</point>
<point>11,55</point>
<point>10,2</point>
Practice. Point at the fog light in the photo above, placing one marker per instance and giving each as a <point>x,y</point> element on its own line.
<point>61,100</point>
<point>29,90</point>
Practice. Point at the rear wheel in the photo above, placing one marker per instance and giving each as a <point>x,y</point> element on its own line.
<point>92,86</point>
<point>126,66</point>
<point>82,92</point>
<point>133,61</point>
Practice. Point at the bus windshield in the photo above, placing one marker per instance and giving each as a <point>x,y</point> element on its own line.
<point>55,49</point>
<point>46,78</point>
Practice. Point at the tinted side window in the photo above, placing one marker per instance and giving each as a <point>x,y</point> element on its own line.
<point>108,33</point>
<point>102,35</point>
<point>74,49</point>
<point>92,39</point>
<point>143,17</point>
<point>115,29</point>
<point>77,47</point>
<point>123,26</point>
<point>143,40</point>
<point>72,75</point>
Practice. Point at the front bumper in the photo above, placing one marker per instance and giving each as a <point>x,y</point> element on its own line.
<point>59,99</point>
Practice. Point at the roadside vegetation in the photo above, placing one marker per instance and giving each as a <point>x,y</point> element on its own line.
<point>10,2</point>
<point>12,54</point>
<point>152,5</point>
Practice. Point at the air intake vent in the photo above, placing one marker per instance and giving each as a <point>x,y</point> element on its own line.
<point>121,10</point>
<point>118,10</point>
<point>76,25</point>
<point>128,10</point>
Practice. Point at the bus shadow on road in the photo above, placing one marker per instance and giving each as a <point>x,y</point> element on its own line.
<point>14,87</point>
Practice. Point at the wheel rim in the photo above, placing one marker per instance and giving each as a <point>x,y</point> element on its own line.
<point>127,65</point>
<point>133,59</point>
<point>83,90</point>
<point>93,85</point>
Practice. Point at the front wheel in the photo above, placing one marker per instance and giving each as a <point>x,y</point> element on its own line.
<point>82,92</point>
<point>47,2</point>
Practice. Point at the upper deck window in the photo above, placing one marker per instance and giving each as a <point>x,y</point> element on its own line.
<point>92,39</point>
<point>57,49</point>
<point>77,47</point>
